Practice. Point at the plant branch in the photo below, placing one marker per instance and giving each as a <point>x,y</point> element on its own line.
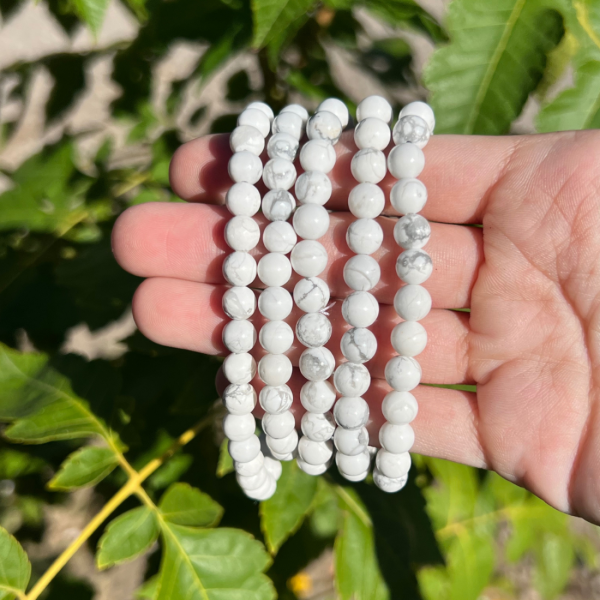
<point>133,486</point>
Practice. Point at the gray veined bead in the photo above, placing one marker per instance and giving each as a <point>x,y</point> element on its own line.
<point>282,145</point>
<point>414,266</point>
<point>364,236</point>
<point>239,399</point>
<point>247,138</point>
<point>279,236</point>
<point>387,484</point>
<point>359,345</point>
<point>313,330</point>
<point>351,379</point>
<point>324,125</point>
<point>317,396</point>
<point>311,294</point>
<point>239,303</point>
<point>318,427</point>
<point>351,413</point>
<point>412,232</point>
<point>279,174</point>
<point>278,205</point>
<point>351,441</point>
<point>412,129</point>
<point>317,364</point>
<point>361,273</point>
<point>275,399</point>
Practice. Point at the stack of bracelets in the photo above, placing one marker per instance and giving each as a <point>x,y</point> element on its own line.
<point>257,456</point>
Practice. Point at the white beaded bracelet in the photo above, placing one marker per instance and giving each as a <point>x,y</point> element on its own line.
<point>361,273</point>
<point>275,270</point>
<point>412,301</point>
<point>256,474</point>
<point>309,259</point>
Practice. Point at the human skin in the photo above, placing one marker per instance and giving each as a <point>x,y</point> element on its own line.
<point>530,275</point>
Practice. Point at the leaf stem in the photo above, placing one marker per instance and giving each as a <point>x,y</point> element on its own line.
<point>133,486</point>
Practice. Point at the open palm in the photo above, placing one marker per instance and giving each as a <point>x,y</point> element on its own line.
<point>530,275</point>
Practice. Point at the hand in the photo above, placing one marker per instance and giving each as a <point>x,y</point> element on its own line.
<point>531,277</point>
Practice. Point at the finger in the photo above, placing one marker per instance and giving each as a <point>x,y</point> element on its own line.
<point>459,173</point>
<point>445,426</point>
<point>186,241</point>
<point>188,315</point>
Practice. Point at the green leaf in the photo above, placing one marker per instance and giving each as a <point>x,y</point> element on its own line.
<point>225,464</point>
<point>92,12</point>
<point>357,574</point>
<point>15,569</point>
<point>497,55</point>
<point>149,589</point>
<point>184,505</point>
<point>15,464</point>
<point>170,472</point>
<point>85,467</point>
<point>212,564</point>
<point>283,513</point>
<point>42,402</point>
<point>272,17</point>
<point>555,558</point>
<point>127,536</point>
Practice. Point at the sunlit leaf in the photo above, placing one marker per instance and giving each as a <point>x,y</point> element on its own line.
<point>14,463</point>
<point>15,569</point>
<point>127,536</point>
<point>496,58</point>
<point>225,464</point>
<point>184,505</point>
<point>271,17</point>
<point>149,589</point>
<point>283,513</point>
<point>92,12</point>
<point>84,468</point>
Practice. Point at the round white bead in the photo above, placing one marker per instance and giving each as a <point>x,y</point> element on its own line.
<point>312,469</point>
<point>355,478</point>
<point>288,122</point>
<point>239,427</point>
<point>313,330</point>
<point>420,109</point>
<point>275,303</point>
<point>278,205</point>
<point>396,439</point>
<point>399,408</point>
<point>239,302</point>
<point>239,268</point>
<point>412,232</point>
<point>279,425</point>
<point>279,236</point>
<point>318,427</point>
<point>387,484</point>
<point>359,345</point>
<point>275,369</point>
<point>406,160</point>
<point>245,167</point>
<point>364,236</point>
<point>311,294</point>
<point>313,187</point>
<point>372,133</point>
<point>351,413</point>
<point>276,337</point>
<point>255,118</point>
<point>414,266</point>
<point>244,451</point>
<point>274,269</point>
<point>250,468</point>
<point>411,130</point>
<point>403,373</point>
<point>376,107</point>
<point>239,399</point>
<point>408,196</point>
<point>284,445</point>
<point>253,482</point>
<point>318,155</point>
<point>309,258</point>
<point>368,166</point>
<point>297,109</point>
<point>361,272</point>
<point>337,107</point>
<point>275,399</point>
<point>282,145</point>
<point>311,221</point>
<point>243,199</point>
<point>239,368</point>
<point>314,453</point>
<point>412,302</point>
<point>353,465</point>
<point>360,309</point>
<point>393,465</point>
<point>247,138</point>
<point>239,336</point>
<point>287,456</point>
<point>351,379</point>
<point>366,201</point>
<point>264,492</point>
<point>317,364</point>
<point>279,174</point>
<point>409,338</point>
<point>317,396</point>
<point>351,441</point>
<point>273,467</point>
<point>262,106</point>
<point>242,233</point>
<point>324,125</point>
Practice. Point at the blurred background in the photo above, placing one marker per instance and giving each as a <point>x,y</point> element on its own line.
<point>95,95</point>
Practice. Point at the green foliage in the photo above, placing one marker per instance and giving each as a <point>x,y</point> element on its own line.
<point>119,422</point>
